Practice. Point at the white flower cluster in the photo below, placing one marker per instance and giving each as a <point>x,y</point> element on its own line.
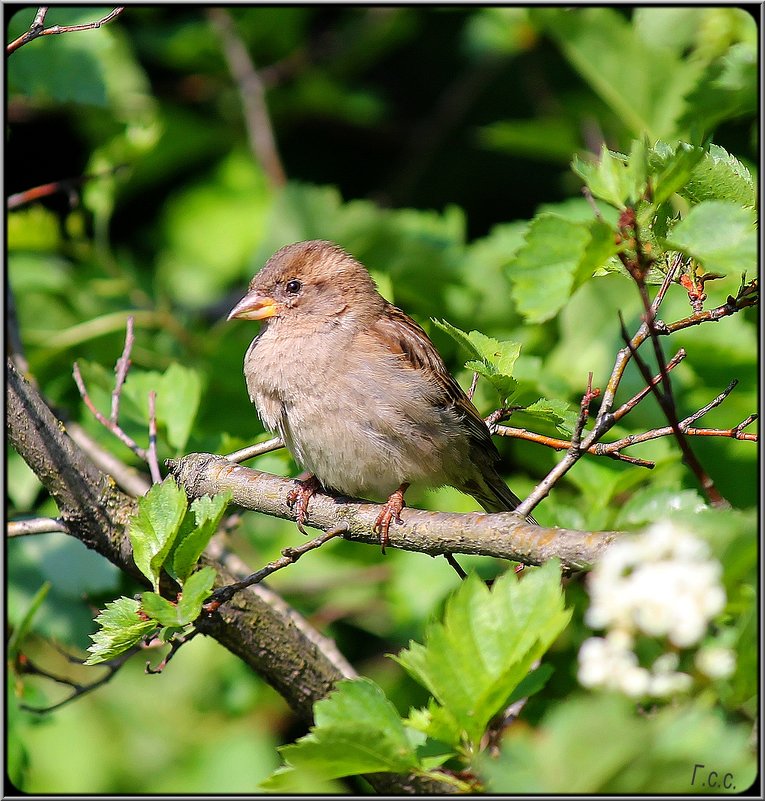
<point>661,584</point>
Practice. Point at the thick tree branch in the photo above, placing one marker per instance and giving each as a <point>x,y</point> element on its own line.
<point>263,635</point>
<point>502,535</point>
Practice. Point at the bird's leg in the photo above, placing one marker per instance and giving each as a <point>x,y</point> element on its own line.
<point>391,510</point>
<point>299,497</point>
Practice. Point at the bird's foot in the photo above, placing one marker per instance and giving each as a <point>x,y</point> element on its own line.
<point>298,499</point>
<point>391,510</point>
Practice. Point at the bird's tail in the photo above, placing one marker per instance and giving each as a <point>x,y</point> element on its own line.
<point>495,496</point>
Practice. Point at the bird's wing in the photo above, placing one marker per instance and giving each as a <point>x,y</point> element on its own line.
<point>402,337</point>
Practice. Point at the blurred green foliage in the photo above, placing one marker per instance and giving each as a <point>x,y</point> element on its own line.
<point>435,145</point>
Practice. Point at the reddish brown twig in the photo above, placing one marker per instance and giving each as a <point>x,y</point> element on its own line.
<point>503,413</point>
<point>37,28</point>
<point>565,444</point>
<point>605,420</point>
<point>584,412</point>
<point>667,403</point>
<point>637,261</point>
<point>736,432</point>
<point>67,185</point>
<point>747,297</point>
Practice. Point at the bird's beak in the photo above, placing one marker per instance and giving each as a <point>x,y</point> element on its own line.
<point>254,306</point>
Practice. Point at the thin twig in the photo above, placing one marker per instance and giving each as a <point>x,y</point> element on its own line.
<point>503,413</point>
<point>151,456</point>
<point>79,689</point>
<point>252,94</point>
<point>565,444</point>
<point>667,404</point>
<point>731,306</point>
<point>113,427</point>
<point>473,385</point>
<point>584,412</point>
<point>605,420</point>
<point>239,570</point>
<point>37,525</point>
<point>121,370</point>
<point>627,407</point>
<point>175,645</point>
<point>128,478</point>
<point>37,29</point>
<point>736,432</point>
<point>256,450</point>
<point>591,201</point>
<point>456,565</point>
<point>67,185</point>
<point>605,449</point>
<point>289,557</point>
<point>669,277</point>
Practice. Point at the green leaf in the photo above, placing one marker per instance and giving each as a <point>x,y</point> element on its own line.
<point>720,176</point>
<point>493,359</point>
<point>196,591</point>
<point>645,86</point>
<point>720,235</point>
<point>558,412</point>
<point>178,401</point>
<point>178,389</point>
<point>557,255</point>
<point>597,252</point>
<point>727,90</point>
<point>357,730</point>
<point>671,168</point>
<point>189,605</point>
<point>607,178</point>
<point>153,528</point>
<point>159,609</point>
<point>120,627</point>
<point>438,723</point>
<point>288,781</point>
<point>533,683</point>
<point>206,513</point>
<point>485,646</point>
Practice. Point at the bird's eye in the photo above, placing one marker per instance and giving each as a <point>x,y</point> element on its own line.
<point>293,287</point>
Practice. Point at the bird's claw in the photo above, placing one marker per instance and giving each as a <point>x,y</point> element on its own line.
<point>298,498</point>
<point>391,510</point>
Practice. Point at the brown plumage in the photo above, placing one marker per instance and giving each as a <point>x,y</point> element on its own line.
<point>356,389</point>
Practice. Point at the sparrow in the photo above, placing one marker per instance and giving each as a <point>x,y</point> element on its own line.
<point>356,389</point>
